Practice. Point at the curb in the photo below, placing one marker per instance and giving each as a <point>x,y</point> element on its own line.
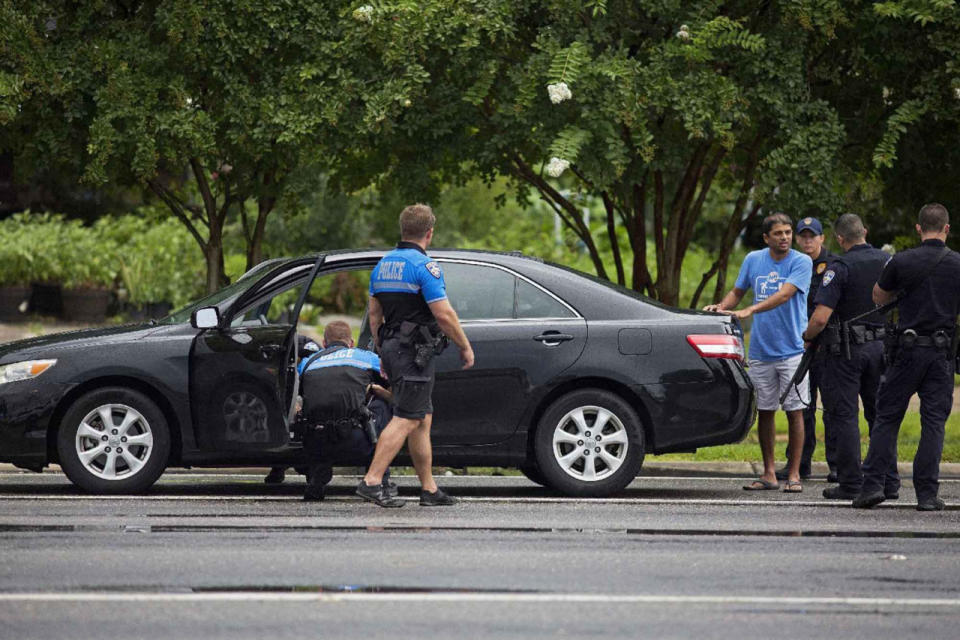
<point>671,468</point>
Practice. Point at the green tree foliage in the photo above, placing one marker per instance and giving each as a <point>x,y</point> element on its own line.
<point>210,104</point>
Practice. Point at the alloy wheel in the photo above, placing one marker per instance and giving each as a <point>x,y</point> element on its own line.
<point>114,441</point>
<point>590,443</point>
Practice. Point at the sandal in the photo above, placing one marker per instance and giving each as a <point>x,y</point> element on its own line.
<point>793,486</point>
<point>761,485</point>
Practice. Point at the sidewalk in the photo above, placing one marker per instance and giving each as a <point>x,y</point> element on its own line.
<point>673,468</point>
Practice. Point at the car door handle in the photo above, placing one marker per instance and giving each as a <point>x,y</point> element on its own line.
<point>269,350</point>
<point>553,338</point>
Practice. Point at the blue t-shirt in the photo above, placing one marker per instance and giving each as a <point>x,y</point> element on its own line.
<point>775,334</point>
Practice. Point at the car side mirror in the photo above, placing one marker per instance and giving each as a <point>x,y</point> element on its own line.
<point>206,318</point>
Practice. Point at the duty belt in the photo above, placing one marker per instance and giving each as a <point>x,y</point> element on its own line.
<point>861,334</point>
<point>910,338</point>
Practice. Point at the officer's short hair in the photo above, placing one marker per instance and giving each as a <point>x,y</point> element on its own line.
<point>415,221</point>
<point>933,217</point>
<point>337,331</point>
<point>850,227</point>
<point>774,219</point>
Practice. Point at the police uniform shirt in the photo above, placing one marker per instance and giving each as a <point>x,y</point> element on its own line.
<point>846,297</point>
<point>404,282</point>
<point>819,268</point>
<point>335,383</point>
<point>933,303</point>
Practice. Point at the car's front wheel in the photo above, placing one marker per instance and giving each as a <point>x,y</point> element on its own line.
<point>589,443</point>
<point>113,440</point>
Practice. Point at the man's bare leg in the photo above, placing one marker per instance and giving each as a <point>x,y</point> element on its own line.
<point>795,444</point>
<point>388,446</point>
<point>767,433</point>
<point>421,451</point>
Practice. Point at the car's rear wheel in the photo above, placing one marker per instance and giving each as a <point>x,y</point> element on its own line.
<point>113,440</point>
<point>589,443</point>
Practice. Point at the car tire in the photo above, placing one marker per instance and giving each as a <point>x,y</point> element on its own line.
<point>605,422</point>
<point>126,456</point>
<point>531,471</point>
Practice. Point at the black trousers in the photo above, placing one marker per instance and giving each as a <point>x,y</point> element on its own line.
<point>929,373</point>
<point>845,384</point>
<point>355,449</point>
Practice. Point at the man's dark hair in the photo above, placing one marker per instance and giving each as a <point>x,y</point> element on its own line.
<point>415,221</point>
<point>850,227</point>
<point>933,217</point>
<point>776,218</point>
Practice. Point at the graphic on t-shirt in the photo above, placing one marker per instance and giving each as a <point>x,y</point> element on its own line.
<point>767,285</point>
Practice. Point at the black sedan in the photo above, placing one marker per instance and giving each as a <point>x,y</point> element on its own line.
<point>575,379</point>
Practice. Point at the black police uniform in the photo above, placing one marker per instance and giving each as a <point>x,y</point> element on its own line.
<point>334,389</point>
<point>930,305</point>
<point>405,282</point>
<point>815,376</point>
<point>847,288</point>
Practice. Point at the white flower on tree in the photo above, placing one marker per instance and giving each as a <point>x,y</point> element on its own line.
<point>684,32</point>
<point>559,92</point>
<point>557,166</point>
<point>364,13</point>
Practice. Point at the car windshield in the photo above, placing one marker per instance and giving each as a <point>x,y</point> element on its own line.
<point>214,299</point>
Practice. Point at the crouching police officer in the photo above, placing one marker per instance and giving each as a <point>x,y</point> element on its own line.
<point>410,318</point>
<point>339,426</point>
<point>854,352</point>
<point>923,361</point>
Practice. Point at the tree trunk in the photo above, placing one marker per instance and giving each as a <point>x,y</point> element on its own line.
<point>255,242</point>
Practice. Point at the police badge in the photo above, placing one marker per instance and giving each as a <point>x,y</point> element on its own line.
<point>434,269</point>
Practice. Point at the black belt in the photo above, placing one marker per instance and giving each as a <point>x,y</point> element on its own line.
<point>860,334</point>
<point>910,338</point>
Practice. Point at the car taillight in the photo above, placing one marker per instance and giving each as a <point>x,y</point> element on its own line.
<point>716,345</point>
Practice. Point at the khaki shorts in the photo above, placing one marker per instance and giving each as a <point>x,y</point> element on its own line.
<point>771,377</point>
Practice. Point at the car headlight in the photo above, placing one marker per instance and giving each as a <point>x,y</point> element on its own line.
<point>24,370</point>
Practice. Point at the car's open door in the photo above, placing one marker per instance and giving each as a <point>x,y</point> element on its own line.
<point>243,377</point>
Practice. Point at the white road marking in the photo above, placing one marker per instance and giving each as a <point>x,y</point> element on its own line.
<point>503,597</point>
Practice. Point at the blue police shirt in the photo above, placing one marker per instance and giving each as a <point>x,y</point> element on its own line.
<point>349,357</point>
<point>405,281</point>
<point>775,334</point>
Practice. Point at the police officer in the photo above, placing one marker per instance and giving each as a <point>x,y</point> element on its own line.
<point>809,238</point>
<point>408,311</point>
<point>923,363</point>
<point>854,351</point>
<point>335,382</point>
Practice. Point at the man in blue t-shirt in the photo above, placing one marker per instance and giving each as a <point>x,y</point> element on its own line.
<point>780,279</point>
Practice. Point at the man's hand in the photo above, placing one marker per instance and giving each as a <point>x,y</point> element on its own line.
<point>740,314</point>
<point>716,308</point>
<point>466,356</point>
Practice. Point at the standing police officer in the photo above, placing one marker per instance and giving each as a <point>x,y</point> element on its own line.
<point>854,352</point>
<point>809,238</point>
<point>928,277</point>
<point>408,311</point>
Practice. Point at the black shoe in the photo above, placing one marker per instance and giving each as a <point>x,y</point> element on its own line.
<point>390,489</point>
<point>832,477</point>
<point>839,493</point>
<point>375,494</point>
<point>314,494</point>
<point>438,498</point>
<point>931,504</point>
<point>891,495</point>
<point>868,500</point>
<point>276,476</point>
<point>784,473</point>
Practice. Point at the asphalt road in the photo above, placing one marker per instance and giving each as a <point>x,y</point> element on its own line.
<point>223,556</point>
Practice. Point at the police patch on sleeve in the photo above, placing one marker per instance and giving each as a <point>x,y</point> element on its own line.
<point>311,346</point>
<point>828,276</point>
<point>434,269</point>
